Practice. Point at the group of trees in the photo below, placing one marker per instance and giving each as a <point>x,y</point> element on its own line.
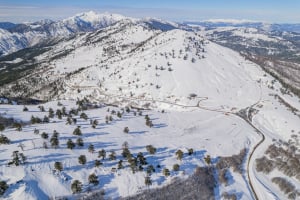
<point>76,185</point>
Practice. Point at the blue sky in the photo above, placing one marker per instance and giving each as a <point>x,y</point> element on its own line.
<point>258,10</point>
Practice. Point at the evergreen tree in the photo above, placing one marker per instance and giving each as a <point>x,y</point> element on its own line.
<point>150,169</point>
<point>112,156</point>
<point>18,126</point>
<point>93,179</point>
<point>17,158</point>
<point>25,109</point>
<point>179,154</point>
<point>44,135</point>
<point>76,186</point>
<point>70,144</point>
<point>91,148</point>
<point>2,127</point>
<point>83,116</point>
<point>54,140</point>
<point>69,121</point>
<point>126,130</point>
<point>42,109</point>
<point>151,149</point>
<point>120,164</point>
<point>77,131</point>
<point>3,187</point>
<point>82,159</point>
<point>176,167</point>
<point>191,151</point>
<point>58,166</point>
<point>46,119</point>
<point>148,181</point>
<point>126,153</point>
<point>58,114</point>
<point>98,163</point>
<point>51,113</point>
<point>102,154</point>
<point>166,172</point>
<point>4,139</point>
<point>79,142</point>
<point>208,159</point>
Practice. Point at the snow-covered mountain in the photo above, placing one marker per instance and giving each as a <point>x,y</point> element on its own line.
<point>201,95</point>
<point>25,35</point>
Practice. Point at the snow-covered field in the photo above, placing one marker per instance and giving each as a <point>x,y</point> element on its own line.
<point>172,130</point>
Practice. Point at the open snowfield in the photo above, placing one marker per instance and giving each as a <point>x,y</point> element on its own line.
<point>208,133</point>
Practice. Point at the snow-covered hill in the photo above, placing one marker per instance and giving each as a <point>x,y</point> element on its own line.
<point>129,61</point>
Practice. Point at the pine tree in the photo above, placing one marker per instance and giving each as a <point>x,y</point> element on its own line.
<point>70,144</point>
<point>150,169</point>
<point>46,119</point>
<point>76,186</point>
<point>44,135</point>
<point>208,159</point>
<point>191,151</point>
<point>3,187</point>
<point>2,127</point>
<point>25,109</point>
<point>82,159</point>
<point>51,113</point>
<point>91,148</point>
<point>77,131</point>
<point>18,126</point>
<point>42,109</point>
<point>120,164</point>
<point>112,156</point>
<point>59,114</point>
<point>126,153</point>
<point>79,142</point>
<point>83,116</point>
<point>58,166</point>
<point>151,149</point>
<point>54,140</point>
<point>176,167</point>
<point>4,139</point>
<point>148,181</point>
<point>166,172</point>
<point>126,130</point>
<point>179,154</point>
<point>93,179</point>
<point>17,158</point>
<point>102,154</point>
<point>98,163</point>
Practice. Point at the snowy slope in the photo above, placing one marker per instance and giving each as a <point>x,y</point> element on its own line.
<point>129,61</point>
